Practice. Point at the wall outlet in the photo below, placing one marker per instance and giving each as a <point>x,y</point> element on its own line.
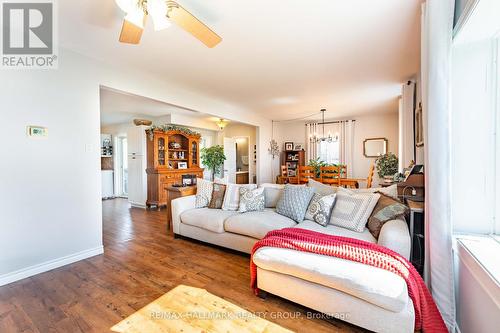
<point>37,131</point>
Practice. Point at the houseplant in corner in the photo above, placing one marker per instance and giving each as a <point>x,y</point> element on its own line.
<point>387,166</point>
<point>213,158</point>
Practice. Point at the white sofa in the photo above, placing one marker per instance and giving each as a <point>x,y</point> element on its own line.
<point>363,295</point>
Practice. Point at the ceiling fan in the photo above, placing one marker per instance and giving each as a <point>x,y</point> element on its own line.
<point>162,12</point>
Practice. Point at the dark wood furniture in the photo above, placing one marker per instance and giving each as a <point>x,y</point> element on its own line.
<point>417,234</point>
<point>242,177</point>
<point>174,193</point>
<point>292,159</point>
<point>415,181</point>
<point>167,152</point>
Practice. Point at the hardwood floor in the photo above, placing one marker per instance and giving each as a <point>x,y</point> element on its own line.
<point>141,262</point>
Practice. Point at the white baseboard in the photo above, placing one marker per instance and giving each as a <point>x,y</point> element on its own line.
<point>49,265</point>
<point>137,205</point>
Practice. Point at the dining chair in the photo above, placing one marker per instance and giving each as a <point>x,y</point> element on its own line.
<point>329,175</point>
<point>305,173</point>
<point>369,180</point>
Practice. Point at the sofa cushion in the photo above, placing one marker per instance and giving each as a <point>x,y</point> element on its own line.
<point>320,208</point>
<point>387,209</point>
<point>374,285</point>
<point>206,218</point>
<point>217,196</point>
<point>272,193</point>
<point>321,188</point>
<point>257,224</point>
<point>337,231</point>
<point>352,211</point>
<point>204,189</point>
<point>232,196</point>
<point>251,200</point>
<point>294,202</point>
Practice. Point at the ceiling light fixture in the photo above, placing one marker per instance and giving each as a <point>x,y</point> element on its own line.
<point>136,10</point>
<point>316,139</point>
<point>221,123</point>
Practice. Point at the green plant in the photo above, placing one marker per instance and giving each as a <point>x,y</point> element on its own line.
<point>170,127</point>
<point>387,165</point>
<point>213,158</point>
<point>317,164</point>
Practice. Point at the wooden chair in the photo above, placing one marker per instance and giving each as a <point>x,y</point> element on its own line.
<point>305,173</point>
<point>284,171</point>
<point>282,177</point>
<point>329,175</point>
<point>369,180</point>
<point>343,170</point>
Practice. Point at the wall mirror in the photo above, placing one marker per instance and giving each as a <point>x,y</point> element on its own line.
<point>375,147</point>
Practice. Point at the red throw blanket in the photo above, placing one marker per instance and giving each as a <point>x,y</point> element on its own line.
<point>427,316</point>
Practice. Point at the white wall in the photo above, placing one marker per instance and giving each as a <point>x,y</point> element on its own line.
<point>366,126</point>
<point>50,205</point>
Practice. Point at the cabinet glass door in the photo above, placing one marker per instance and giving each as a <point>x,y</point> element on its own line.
<point>161,151</point>
<point>194,153</point>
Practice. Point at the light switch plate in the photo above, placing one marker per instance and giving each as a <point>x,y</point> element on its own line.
<point>37,131</point>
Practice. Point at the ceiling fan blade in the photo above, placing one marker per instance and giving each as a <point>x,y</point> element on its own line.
<point>191,24</point>
<point>131,34</point>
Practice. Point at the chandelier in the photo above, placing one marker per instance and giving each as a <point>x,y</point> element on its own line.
<point>315,138</point>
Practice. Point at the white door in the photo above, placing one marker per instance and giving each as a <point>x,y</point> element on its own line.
<point>137,184</point>
<point>136,137</point>
<point>230,162</point>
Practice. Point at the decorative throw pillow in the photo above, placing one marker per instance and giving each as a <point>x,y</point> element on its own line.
<point>251,200</point>
<point>217,196</point>
<point>320,208</point>
<point>386,209</point>
<point>204,190</point>
<point>321,188</point>
<point>272,193</point>
<point>352,211</point>
<point>232,196</point>
<point>294,202</point>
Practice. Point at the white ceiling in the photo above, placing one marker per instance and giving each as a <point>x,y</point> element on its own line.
<point>118,108</point>
<point>282,59</point>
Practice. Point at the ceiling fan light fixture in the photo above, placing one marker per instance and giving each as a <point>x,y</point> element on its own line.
<point>158,11</point>
<point>136,16</point>
<point>126,5</point>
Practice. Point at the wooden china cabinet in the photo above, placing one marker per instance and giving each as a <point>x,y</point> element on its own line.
<point>170,154</point>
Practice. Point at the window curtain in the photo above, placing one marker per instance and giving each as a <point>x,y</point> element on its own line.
<point>347,145</point>
<point>437,27</point>
<point>345,131</point>
<point>406,121</point>
<point>311,147</point>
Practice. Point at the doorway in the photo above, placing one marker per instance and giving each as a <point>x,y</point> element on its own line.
<point>121,167</point>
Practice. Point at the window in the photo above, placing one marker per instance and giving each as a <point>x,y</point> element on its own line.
<point>329,152</point>
<point>475,122</point>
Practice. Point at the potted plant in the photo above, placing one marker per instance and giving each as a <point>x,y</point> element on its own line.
<point>317,164</point>
<point>213,158</point>
<point>387,165</point>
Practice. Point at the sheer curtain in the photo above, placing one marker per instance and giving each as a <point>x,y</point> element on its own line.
<point>311,147</point>
<point>338,152</point>
<point>437,26</point>
<point>347,145</point>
